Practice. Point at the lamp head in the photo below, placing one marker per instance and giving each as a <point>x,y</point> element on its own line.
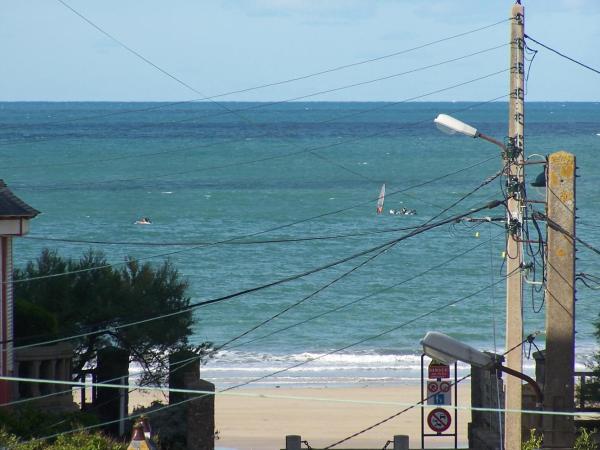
<point>448,350</point>
<point>450,125</point>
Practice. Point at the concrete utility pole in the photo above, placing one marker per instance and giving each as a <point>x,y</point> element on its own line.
<point>514,255</point>
<point>559,431</point>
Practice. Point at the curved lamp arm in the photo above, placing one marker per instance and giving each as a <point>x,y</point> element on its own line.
<point>528,379</point>
<point>485,137</point>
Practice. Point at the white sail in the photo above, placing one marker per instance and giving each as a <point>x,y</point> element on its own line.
<point>381,199</point>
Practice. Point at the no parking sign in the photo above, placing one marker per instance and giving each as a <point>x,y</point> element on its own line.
<point>439,420</point>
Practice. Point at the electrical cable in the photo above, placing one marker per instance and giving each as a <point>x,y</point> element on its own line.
<point>308,360</point>
<point>204,243</point>
<point>262,105</point>
<point>383,333</point>
<point>194,305</point>
<point>259,160</point>
<point>226,344</point>
<point>579,222</point>
<point>146,60</point>
<point>338,308</point>
<point>265,241</point>
<point>560,229</point>
<point>195,146</point>
<point>311,295</point>
<point>200,393</point>
<point>493,316</point>
<point>562,54</point>
<point>262,86</point>
<point>393,416</point>
<point>586,278</point>
<point>182,363</point>
<point>279,227</point>
<point>238,237</point>
<point>468,194</point>
<point>373,294</point>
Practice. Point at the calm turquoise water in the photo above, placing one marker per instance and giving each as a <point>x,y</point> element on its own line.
<point>204,175</point>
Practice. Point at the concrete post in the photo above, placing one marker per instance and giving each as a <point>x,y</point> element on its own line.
<point>293,442</point>
<point>400,442</point>
<point>559,431</point>
<point>514,253</point>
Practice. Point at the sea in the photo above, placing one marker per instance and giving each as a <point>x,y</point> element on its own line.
<point>271,207</point>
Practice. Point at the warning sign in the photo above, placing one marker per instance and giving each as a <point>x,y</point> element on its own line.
<point>439,420</point>
<point>437,370</point>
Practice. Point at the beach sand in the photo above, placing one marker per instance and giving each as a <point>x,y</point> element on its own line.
<point>260,420</point>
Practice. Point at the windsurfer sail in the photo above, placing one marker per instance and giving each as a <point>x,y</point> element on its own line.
<point>381,199</point>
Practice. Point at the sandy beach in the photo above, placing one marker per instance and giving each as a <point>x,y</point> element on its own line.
<point>262,418</point>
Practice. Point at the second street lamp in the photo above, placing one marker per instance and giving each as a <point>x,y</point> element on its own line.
<point>512,154</point>
<point>448,350</point>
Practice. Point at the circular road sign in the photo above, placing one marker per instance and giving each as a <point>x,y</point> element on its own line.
<point>439,420</point>
<point>432,386</point>
<point>445,386</point>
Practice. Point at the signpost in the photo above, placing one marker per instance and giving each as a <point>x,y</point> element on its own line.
<point>438,393</point>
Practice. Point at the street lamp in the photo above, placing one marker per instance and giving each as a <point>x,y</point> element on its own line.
<point>450,125</point>
<point>448,350</point>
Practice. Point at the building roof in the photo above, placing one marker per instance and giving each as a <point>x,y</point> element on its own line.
<point>13,206</point>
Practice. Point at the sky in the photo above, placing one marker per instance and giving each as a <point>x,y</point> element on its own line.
<point>215,47</point>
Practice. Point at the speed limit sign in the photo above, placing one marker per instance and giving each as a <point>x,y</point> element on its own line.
<point>439,420</point>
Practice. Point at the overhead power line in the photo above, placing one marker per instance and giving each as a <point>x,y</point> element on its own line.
<point>205,243</point>
<point>589,280</point>
<point>268,241</point>
<point>146,60</point>
<point>308,360</point>
<point>191,306</point>
<point>271,157</point>
<point>248,89</point>
<point>230,141</point>
<point>276,228</point>
<point>562,54</point>
<point>379,252</point>
<point>330,311</point>
<point>562,230</point>
<point>373,294</point>
<point>376,336</point>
